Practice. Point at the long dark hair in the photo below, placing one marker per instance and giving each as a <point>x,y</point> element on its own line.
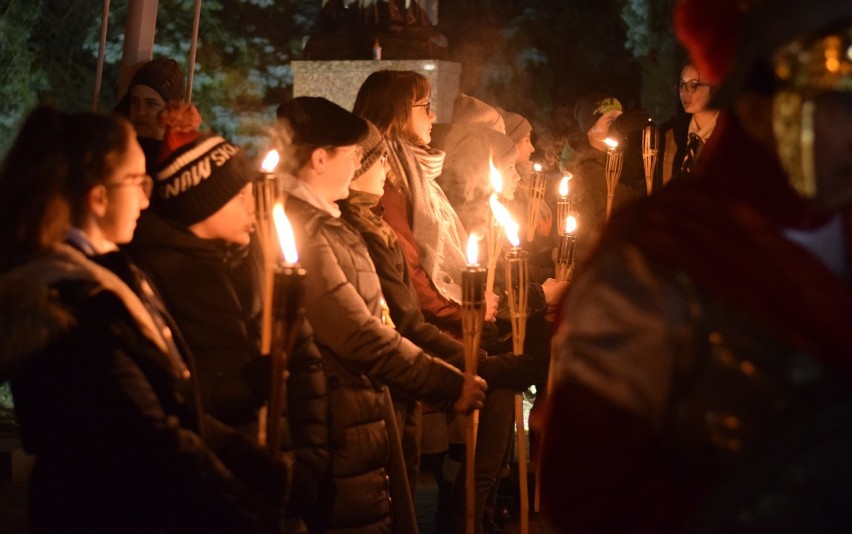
<point>386,97</point>
<point>53,163</point>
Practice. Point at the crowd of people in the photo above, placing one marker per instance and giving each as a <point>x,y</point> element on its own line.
<point>700,350</point>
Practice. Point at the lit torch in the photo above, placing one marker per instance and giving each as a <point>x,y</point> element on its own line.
<point>494,238</point>
<point>288,292</point>
<point>565,251</point>
<point>473,310</point>
<point>517,283</point>
<point>264,195</point>
<point>563,203</point>
<point>614,161</point>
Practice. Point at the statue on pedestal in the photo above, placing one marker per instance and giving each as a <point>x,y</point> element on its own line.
<point>352,29</point>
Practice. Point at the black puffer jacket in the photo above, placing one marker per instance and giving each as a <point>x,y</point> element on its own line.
<point>361,356</point>
<point>106,409</point>
<point>213,293</point>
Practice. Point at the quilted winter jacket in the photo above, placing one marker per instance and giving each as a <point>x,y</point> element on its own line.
<point>361,356</point>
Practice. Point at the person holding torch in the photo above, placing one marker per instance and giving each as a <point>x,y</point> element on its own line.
<point>702,376</point>
<point>197,243</point>
<point>367,487</point>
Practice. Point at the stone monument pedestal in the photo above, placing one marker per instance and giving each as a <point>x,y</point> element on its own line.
<point>339,81</point>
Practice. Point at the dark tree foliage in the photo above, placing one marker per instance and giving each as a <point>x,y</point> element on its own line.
<point>536,57</point>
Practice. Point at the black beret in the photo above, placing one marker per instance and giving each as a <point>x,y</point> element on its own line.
<point>316,121</point>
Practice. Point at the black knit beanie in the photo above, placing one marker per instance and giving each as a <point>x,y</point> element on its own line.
<point>197,173</point>
<point>163,75</point>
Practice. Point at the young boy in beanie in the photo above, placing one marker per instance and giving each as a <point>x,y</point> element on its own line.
<point>195,242</point>
<point>157,83</point>
<point>703,371</point>
<point>368,487</point>
<point>519,131</point>
<point>596,116</point>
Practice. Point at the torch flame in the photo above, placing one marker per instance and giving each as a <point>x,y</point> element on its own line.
<point>496,178</point>
<point>537,167</point>
<point>270,161</point>
<point>563,185</point>
<point>285,234</point>
<point>472,249</point>
<point>505,219</point>
<point>611,143</point>
<point>570,224</point>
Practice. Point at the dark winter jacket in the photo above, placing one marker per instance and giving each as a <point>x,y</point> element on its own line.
<point>702,371</point>
<point>401,297</point>
<point>106,409</point>
<point>361,357</point>
<point>212,291</point>
<point>590,192</point>
<point>672,150</point>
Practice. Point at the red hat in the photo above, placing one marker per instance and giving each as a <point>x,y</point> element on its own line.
<point>709,30</point>
<point>732,42</point>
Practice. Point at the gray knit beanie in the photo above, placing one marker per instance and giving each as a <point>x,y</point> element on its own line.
<point>516,125</point>
<point>470,111</point>
<point>373,146</point>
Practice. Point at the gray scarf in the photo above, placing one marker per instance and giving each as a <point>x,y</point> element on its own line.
<point>439,232</point>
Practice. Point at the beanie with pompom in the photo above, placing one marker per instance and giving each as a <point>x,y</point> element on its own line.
<point>197,173</point>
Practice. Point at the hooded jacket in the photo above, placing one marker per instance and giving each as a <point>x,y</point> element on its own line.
<point>107,412</point>
<point>212,292</point>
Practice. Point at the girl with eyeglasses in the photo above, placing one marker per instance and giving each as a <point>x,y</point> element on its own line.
<point>104,399</point>
<point>683,137</point>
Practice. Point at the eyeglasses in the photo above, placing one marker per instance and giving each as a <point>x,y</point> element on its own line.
<point>691,86</point>
<point>142,181</point>
<point>427,105</point>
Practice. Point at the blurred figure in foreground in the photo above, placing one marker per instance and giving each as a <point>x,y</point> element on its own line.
<point>703,371</point>
<point>104,398</point>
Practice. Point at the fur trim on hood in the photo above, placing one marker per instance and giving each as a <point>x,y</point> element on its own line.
<point>31,316</point>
